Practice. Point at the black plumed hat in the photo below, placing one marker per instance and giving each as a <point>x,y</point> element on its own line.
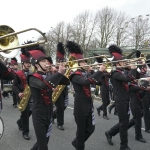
<point>138,54</point>
<point>74,49</point>
<point>115,51</point>
<point>98,59</point>
<point>60,52</point>
<point>13,61</point>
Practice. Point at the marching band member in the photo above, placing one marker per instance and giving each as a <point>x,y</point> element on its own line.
<point>104,88</point>
<point>14,65</point>
<point>19,85</point>
<point>121,96</point>
<point>146,97</point>
<point>62,101</point>
<point>83,104</point>
<point>42,85</point>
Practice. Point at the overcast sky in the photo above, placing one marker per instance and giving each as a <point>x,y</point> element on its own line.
<point>44,14</point>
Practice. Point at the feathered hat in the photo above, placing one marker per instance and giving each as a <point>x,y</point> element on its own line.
<point>25,56</point>
<point>13,61</point>
<point>74,49</point>
<point>60,52</point>
<point>36,53</point>
<point>116,52</point>
<point>98,59</point>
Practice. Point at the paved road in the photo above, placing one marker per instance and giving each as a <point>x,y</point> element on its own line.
<point>61,140</point>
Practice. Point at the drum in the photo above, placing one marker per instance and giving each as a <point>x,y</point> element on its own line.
<point>1,127</point>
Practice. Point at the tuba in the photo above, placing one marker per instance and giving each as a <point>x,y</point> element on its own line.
<point>9,44</point>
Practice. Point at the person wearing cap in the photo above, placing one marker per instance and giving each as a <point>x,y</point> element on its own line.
<point>14,67</point>
<point>63,99</point>
<point>42,85</point>
<point>19,85</point>
<point>121,96</point>
<point>83,103</point>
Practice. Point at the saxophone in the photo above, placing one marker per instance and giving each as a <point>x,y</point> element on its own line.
<point>60,88</point>
<point>27,93</point>
<point>24,100</point>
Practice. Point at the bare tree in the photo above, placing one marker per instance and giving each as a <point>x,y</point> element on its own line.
<point>83,28</point>
<point>106,26</point>
<point>140,31</point>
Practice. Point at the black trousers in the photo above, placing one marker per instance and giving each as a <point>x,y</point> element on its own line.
<point>36,147</point>
<point>122,109</point>
<point>59,112</point>
<point>146,113</point>
<point>137,115</point>
<point>106,102</point>
<point>113,106</point>
<point>23,122</point>
<point>84,129</point>
<point>14,98</point>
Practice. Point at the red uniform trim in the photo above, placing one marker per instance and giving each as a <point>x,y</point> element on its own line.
<point>22,77</point>
<point>44,92</point>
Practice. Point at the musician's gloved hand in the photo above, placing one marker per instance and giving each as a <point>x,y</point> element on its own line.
<point>133,65</point>
<point>20,95</point>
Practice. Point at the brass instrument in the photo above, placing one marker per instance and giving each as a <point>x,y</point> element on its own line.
<point>9,41</point>
<point>60,88</point>
<point>24,100</point>
<point>56,94</point>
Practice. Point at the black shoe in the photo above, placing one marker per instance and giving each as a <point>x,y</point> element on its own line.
<point>98,111</point>
<point>20,128</point>
<point>109,109</point>
<point>106,117</point>
<point>141,140</point>
<point>126,148</point>
<point>15,106</point>
<point>148,131</point>
<point>53,121</point>
<point>74,144</point>
<point>26,136</point>
<point>109,138</point>
<point>60,127</point>
<point>115,113</point>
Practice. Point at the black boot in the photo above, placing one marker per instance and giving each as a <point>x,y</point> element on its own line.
<point>109,138</point>
<point>98,111</point>
<point>109,109</point>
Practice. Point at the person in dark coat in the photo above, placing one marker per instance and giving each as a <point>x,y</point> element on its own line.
<point>42,85</point>
<point>104,89</point>
<point>14,65</point>
<point>121,96</point>
<point>19,85</point>
<point>145,95</point>
<point>83,104</point>
<point>145,101</point>
<point>63,98</point>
